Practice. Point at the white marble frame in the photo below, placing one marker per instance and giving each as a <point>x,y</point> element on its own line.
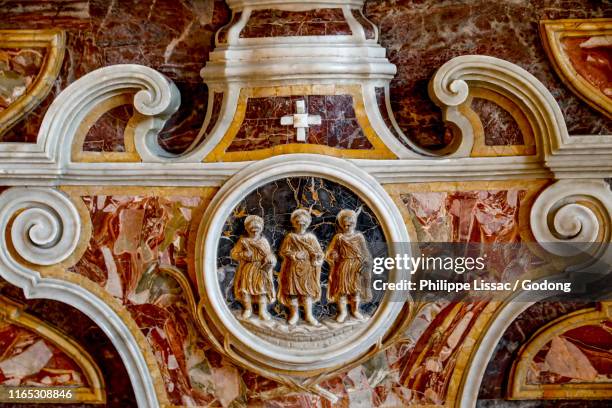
<point>259,352</point>
<point>48,161</point>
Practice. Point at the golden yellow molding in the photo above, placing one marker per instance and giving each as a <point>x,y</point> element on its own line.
<point>518,388</point>
<point>480,148</point>
<point>553,32</point>
<point>54,41</point>
<point>94,393</point>
<point>379,149</point>
<point>129,155</point>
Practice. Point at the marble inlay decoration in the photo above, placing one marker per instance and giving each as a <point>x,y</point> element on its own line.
<point>579,355</point>
<point>569,358</point>
<point>35,354</point>
<point>222,33</point>
<point>213,182</point>
<point>282,23</point>
<point>138,254</point>
<point>368,27</point>
<point>467,216</point>
<point>18,70</point>
<point>581,52</point>
<point>262,126</point>
<point>30,61</point>
<point>216,109</point>
<point>28,360</point>
<point>108,132</point>
<point>274,203</point>
<point>591,57</point>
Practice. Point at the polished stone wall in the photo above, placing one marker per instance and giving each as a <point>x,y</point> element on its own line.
<point>135,232</point>
<point>175,38</point>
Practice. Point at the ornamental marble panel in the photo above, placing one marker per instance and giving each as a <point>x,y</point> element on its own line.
<point>580,51</point>
<point>228,259</point>
<point>282,23</point>
<point>28,360</point>
<point>19,68</point>
<point>30,61</point>
<point>580,355</point>
<point>274,203</point>
<point>567,359</point>
<point>507,30</point>
<point>261,128</point>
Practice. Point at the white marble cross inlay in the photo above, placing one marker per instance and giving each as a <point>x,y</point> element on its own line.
<point>301,120</point>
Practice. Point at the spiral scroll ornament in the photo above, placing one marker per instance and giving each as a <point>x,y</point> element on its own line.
<point>44,225</point>
<point>573,216</point>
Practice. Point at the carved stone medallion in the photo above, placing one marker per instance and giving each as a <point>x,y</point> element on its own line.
<point>304,241</point>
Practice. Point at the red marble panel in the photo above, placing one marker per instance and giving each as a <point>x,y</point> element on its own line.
<point>18,70</point>
<point>283,23</point>
<point>500,128</point>
<point>517,333</point>
<point>382,107</point>
<point>464,217</point>
<point>421,36</point>
<point>579,355</point>
<point>132,237</point>
<point>106,135</point>
<point>469,216</point>
<point>26,359</point>
<point>172,37</point>
<point>591,57</point>
<point>432,361</point>
<point>224,31</point>
<point>176,40</point>
<point>261,127</point>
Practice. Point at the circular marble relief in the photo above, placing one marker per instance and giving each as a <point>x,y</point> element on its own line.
<point>287,247</point>
<point>295,302</point>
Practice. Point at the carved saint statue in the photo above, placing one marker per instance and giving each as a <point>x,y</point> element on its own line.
<point>350,265</point>
<point>253,279</point>
<point>299,278</point>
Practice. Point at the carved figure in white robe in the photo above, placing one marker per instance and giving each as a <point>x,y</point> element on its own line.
<point>350,265</point>
<point>300,275</point>
<point>253,280</point>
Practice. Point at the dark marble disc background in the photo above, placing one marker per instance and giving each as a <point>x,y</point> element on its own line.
<point>275,202</point>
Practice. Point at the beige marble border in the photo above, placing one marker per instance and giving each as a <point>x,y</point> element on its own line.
<point>518,388</point>
<point>379,150</point>
<point>55,43</point>
<point>94,393</point>
<point>552,33</point>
